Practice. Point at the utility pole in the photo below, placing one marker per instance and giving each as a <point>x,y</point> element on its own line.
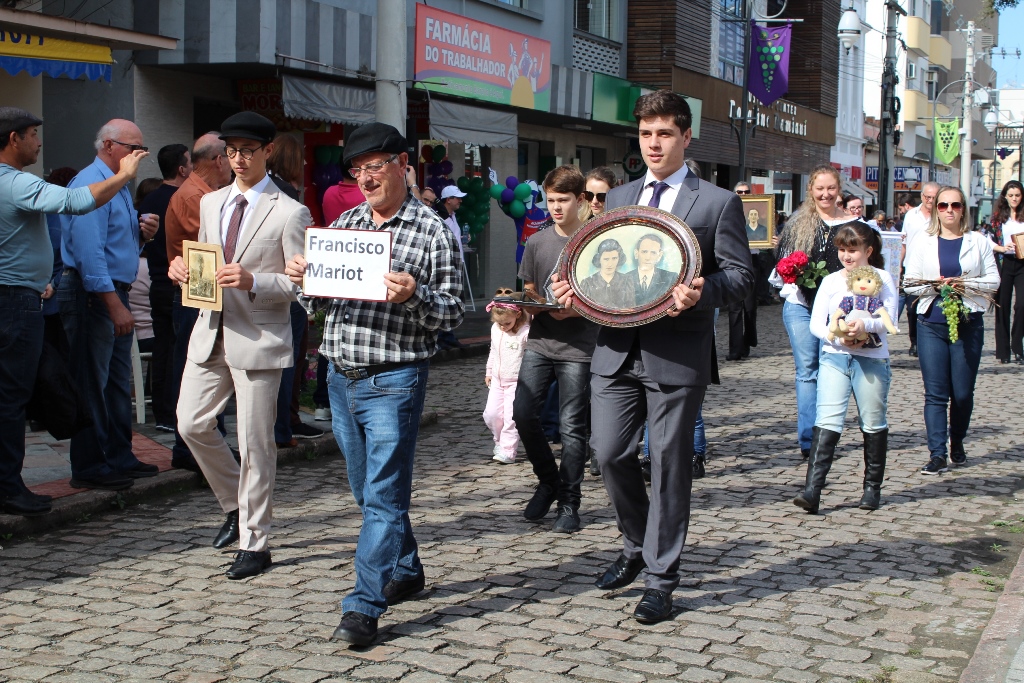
<point>746,92</point>
<point>392,35</point>
<point>886,146</point>
<point>965,147</point>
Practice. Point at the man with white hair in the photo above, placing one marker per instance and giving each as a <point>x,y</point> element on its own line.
<point>100,251</point>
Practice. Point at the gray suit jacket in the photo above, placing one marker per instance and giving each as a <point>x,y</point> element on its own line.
<point>678,351</point>
<point>256,325</point>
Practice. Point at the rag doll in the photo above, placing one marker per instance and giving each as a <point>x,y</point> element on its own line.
<point>863,303</point>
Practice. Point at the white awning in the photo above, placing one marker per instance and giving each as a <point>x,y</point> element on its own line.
<point>854,187</point>
<point>473,125</point>
<point>305,98</point>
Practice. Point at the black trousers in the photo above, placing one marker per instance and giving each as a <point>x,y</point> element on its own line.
<point>1010,339</point>
<point>742,326</point>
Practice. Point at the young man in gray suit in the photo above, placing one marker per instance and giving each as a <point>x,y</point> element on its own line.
<point>243,348</point>
<point>659,371</point>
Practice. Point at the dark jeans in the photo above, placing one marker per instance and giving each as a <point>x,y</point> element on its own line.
<point>184,319</point>
<point>535,374</point>
<point>949,372</point>
<point>320,395</point>
<point>549,414</point>
<point>283,426</point>
<point>21,341</point>
<point>101,367</point>
<point>1010,339</point>
<point>161,367</point>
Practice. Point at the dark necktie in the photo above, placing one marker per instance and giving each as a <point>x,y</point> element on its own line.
<point>234,226</point>
<point>643,282</point>
<point>659,188</point>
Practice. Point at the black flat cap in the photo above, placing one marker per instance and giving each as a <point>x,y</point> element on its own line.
<point>13,119</point>
<point>374,137</point>
<point>248,125</point>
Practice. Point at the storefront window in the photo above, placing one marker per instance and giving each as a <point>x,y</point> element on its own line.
<point>600,17</point>
<point>730,41</point>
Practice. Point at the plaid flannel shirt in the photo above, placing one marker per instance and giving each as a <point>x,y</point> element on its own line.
<point>361,333</point>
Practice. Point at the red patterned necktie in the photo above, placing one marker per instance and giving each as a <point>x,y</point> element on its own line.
<point>233,228</point>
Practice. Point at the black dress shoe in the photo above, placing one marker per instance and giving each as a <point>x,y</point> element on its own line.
<point>103,482</point>
<point>228,534</point>
<point>356,628</point>
<point>397,591</point>
<point>248,563</point>
<point>25,504</point>
<point>186,463</point>
<point>622,572</point>
<point>655,606</point>
<point>39,497</point>
<point>913,350</point>
<point>698,466</point>
<point>645,469</point>
<point>141,471</point>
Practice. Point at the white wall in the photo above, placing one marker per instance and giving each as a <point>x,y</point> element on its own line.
<point>25,92</point>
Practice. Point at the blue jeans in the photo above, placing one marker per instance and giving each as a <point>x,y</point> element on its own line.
<point>806,349</point>
<point>535,375</point>
<point>839,375</point>
<point>949,372</point>
<point>375,421</point>
<point>101,367</point>
<point>283,425</point>
<point>700,439</point>
<point>21,342</point>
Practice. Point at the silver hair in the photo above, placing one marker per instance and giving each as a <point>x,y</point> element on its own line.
<point>201,151</point>
<point>109,131</point>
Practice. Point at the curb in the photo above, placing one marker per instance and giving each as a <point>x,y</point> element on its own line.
<point>1003,636</point>
<point>470,349</point>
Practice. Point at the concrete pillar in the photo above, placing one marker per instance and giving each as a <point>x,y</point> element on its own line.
<point>391,63</point>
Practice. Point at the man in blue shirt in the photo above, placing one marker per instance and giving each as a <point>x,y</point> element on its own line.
<point>25,271</point>
<point>101,258</point>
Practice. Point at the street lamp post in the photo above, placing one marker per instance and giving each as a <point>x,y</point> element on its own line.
<point>935,103</point>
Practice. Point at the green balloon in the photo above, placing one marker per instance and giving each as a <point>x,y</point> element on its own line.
<point>336,153</point>
<point>516,208</point>
<point>523,192</point>
<point>462,183</point>
<point>439,153</point>
<point>322,154</point>
<point>476,184</point>
<point>495,191</point>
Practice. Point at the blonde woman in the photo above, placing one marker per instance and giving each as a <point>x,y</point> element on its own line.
<point>810,230</point>
<point>949,369</point>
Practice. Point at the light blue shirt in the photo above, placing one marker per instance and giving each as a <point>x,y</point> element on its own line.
<point>26,257</point>
<point>102,245</point>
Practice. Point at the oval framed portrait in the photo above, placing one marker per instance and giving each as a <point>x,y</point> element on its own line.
<point>624,264</point>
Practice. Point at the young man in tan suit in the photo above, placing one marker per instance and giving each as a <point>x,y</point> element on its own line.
<point>243,349</point>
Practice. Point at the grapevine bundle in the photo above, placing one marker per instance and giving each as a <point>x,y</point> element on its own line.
<point>951,300</point>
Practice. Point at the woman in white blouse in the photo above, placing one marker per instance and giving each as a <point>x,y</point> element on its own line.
<point>949,369</point>
<point>1008,221</point>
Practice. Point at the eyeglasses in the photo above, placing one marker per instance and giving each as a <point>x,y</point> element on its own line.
<point>372,169</point>
<point>503,291</point>
<point>956,206</point>
<point>245,152</point>
<point>131,148</point>
<point>601,196</point>
<point>742,191</point>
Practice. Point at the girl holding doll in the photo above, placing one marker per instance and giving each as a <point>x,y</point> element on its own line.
<point>853,310</point>
<point>508,343</point>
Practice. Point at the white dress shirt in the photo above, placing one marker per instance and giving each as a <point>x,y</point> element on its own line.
<point>252,195</point>
<point>914,223</point>
<point>668,195</point>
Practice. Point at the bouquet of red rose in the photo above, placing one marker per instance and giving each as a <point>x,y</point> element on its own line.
<point>798,269</point>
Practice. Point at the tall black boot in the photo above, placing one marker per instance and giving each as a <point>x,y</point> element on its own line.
<point>875,447</point>
<point>823,450</point>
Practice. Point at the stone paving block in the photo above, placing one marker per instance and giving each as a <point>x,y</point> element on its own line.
<point>601,673</point>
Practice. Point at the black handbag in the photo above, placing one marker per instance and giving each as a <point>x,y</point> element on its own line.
<point>55,402</point>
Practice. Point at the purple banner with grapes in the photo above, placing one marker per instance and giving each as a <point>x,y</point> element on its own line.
<point>768,72</point>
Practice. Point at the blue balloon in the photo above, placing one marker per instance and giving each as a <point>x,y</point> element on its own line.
<point>511,182</point>
<point>507,196</point>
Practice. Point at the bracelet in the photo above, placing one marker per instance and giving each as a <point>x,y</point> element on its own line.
<point>414,187</point>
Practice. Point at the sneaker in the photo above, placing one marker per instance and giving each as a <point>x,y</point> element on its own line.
<point>541,502</point>
<point>957,455</point>
<point>567,521</point>
<point>935,466</point>
<point>305,431</point>
<point>322,415</point>
<point>504,458</point>
<point>163,427</point>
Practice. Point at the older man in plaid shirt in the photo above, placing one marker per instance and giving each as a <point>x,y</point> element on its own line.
<point>379,353</point>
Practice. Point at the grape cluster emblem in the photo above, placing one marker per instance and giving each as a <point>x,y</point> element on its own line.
<point>769,55</point>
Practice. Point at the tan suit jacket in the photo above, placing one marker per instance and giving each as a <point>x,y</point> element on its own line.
<point>256,325</point>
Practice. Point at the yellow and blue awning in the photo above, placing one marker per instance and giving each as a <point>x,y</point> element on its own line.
<point>36,54</point>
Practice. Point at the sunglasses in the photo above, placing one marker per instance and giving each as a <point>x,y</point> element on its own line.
<point>503,291</point>
<point>742,191</point>
<point>956,206</point>
<point>131,148</point>
<point>590,196</point>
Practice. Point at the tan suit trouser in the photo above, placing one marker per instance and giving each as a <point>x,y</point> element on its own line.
<point>249,488</point>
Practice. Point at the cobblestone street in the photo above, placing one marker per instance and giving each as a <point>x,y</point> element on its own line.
<point>768,592</point>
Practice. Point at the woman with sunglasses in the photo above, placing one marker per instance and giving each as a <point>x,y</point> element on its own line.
<point>599,181</point>
<point>949,369</point>
<point>1007,222</point>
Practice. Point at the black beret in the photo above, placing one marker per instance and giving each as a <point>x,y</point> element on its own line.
<point>248,125</point>
<point>14,119</point>
<point>374,137</point>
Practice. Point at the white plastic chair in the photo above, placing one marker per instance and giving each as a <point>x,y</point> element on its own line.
<point>139,380</point>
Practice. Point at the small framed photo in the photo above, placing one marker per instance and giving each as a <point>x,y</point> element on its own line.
<point>203,260</point>
<point>759,213</point>
<point>624,264</point>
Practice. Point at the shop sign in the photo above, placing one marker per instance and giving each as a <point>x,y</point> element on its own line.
<point>614,99</point>
<point>633,164</point>
<point>263,96</point>
<point>905,178</point>
<point>458,56</point>
<point>780,116</point>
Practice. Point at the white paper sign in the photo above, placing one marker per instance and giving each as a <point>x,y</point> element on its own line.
<point>892,243</point>
<point>347,264</point>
